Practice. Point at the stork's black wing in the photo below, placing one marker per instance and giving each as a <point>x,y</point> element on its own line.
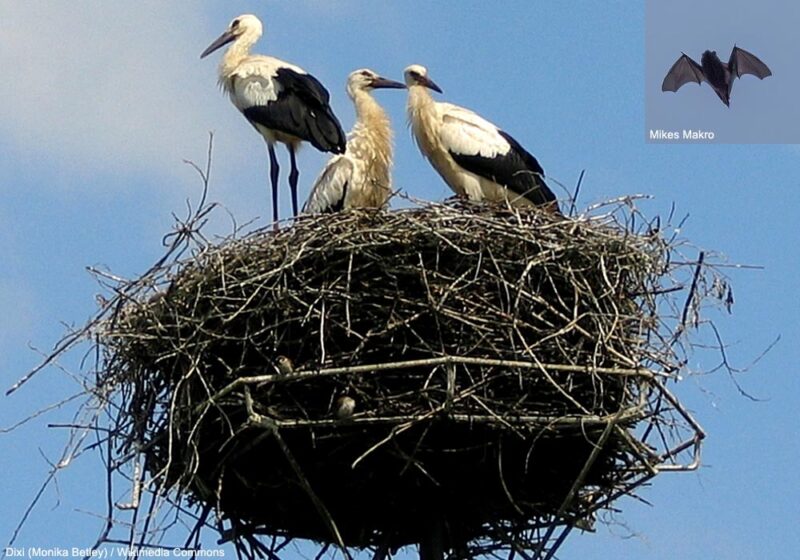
<point>517,170</point>
<point>302,110</point>
<point>684,70</point>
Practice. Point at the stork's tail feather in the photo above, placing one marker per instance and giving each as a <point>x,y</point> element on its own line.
<point>541,195</point>
<point>326,134</point>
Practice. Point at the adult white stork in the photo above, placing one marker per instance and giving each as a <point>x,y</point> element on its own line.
<point>283,102</point>
<point>474,157</point>
<point>359,178</point>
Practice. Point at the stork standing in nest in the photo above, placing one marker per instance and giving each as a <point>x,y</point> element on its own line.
<point>283,102</point>
<point>359,178</point>
<point>474,157</point>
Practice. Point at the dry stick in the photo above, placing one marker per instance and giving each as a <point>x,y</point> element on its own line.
<point>492,418</point>
<point>559,541</point>
<point>695,441</point>
<point>577,484</point>
<point>318,504</point>
<point>699,436</point>
<point>575,194</point>
<point>492,414</point>
<point>322,331</point>
<point>109,521</point>
<point>414,420</point>
<point>730,369</point>
<point>380,367</point>
<point>503,484</point>
<point>322,552</point>
<point>624,491</point>
<point>148,546</point>
<point>204,175</point>
<point>271,427</point>
<point>63,345</point>
<point>45,410</point>
<point>72,450</point>
<point>559,388</point>
<point>197,529</point>
<point>136,487</point>
<point>689,298</point>
<point>653,470</point>
<point>149,516</point>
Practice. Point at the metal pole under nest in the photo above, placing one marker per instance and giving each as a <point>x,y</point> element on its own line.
<point>431,544</point>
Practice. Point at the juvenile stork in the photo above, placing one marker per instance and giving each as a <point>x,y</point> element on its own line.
<point>474,157</point>
<point>283,102</point>
<point>359,178</point>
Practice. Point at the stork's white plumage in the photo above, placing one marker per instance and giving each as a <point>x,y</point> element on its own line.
<point>359,178</point>
<point>474,157</point>
<point>283,102</point>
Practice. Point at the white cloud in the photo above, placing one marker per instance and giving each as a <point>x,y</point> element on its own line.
<point>107,87</point>
<point>103,95</point>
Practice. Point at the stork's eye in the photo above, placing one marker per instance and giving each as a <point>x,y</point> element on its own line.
<point>235,24</point>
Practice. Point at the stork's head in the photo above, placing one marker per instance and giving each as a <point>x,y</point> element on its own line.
<point>246,27</point>
<point>367,80</point>
<point>417,75</point>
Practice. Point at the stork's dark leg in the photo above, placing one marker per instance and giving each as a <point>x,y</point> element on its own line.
<point>293,175</point>
<point>274,169</point>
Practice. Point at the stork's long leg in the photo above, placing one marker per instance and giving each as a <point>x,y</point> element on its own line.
<point>274,169</point>
<point>293,176</point>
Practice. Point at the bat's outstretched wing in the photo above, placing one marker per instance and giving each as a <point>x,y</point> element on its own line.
<point>684,70</point>
<point>743,62</point>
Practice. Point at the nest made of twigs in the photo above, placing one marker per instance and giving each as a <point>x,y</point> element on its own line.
<point>358,378</point>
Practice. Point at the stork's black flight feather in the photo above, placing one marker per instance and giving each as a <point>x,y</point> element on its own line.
<point>517,170</point>
<point>301,110</point>
<point>720,76</point>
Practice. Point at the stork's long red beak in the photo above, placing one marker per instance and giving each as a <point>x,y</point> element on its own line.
<point>219,42</point>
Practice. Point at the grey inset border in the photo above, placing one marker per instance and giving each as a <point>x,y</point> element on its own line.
<point>761,111</point>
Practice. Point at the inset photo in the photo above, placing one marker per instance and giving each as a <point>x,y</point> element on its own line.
<point>716,75</point>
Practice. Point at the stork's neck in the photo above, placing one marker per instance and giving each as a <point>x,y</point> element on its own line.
<point>372,125</point>
<point>236,53</point>
<point>371,138</point>
<point>371,119</point>
<point>419,99</point>
<point>422,119</point>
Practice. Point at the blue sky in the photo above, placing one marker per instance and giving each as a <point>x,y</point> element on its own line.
<point>102,100</point>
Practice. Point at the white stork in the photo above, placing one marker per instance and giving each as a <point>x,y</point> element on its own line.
<point>359,178</point>
<point>474,157</point>
<point>282,101</point>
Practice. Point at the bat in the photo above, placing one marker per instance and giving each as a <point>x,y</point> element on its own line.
<point>720,76</point>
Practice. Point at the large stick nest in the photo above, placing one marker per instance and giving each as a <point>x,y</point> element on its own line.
<point>361,377</point>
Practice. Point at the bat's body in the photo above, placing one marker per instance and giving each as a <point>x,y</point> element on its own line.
<point>720,76</point>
